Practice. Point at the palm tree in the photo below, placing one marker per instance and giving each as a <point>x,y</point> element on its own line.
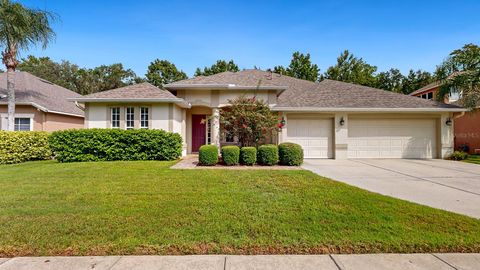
<point>20,28</point>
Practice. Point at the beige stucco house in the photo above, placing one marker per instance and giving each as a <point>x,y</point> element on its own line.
<point>330,119</point>
<point>39,105</point>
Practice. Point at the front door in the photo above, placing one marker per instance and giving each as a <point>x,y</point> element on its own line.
<point>199,124</point>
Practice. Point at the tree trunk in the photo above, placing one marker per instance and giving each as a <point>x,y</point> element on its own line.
<point>11,99</point>
<point>10,60</point>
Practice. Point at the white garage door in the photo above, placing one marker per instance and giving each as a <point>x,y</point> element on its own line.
<point>314,135</point>
<point>392,138</point>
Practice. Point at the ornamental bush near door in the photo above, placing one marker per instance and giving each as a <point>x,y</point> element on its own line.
<point>231,155</point>
<point>208,155</point>
<point>115,144</point>
<point>267,155</point>
<point>248,155</point>
<point>21,146</point>
<point>290,154</point>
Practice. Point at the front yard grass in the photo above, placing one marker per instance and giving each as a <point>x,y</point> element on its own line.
<point>105,208</point>
<point>473,159</point>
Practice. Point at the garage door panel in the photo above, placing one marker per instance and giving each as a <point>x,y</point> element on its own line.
<point>314,135</point>
<point>392,138</point>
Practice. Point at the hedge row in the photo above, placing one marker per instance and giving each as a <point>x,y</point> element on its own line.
<point>115,144</point>
<point>16,147</point>
<point>289,154</point>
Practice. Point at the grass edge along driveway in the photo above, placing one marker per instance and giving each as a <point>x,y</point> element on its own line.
<point>112,208</point>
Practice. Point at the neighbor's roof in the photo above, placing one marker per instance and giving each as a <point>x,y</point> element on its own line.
<point>426,88</point>
<point>142,92</point>
<point>325,95</point>
<point>40,93</point>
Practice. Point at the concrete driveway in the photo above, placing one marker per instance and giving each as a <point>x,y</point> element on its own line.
<point>449,185</point>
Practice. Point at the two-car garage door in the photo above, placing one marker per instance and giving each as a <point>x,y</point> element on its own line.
<point>367,138</point>
<point>392,138</point>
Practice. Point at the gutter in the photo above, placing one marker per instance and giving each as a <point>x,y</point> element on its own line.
<point>43,109</point>
<point>180,102</point>
<point>316,109</point>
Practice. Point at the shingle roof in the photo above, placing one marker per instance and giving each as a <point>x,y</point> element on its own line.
<point>44,94</point>
<point>135,91</point>
<point>249,77</point>
<point>336,94</point>
<point>325,94</point>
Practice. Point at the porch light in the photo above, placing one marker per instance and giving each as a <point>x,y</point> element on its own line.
<point>283,122</point>
<point>342,121</point>
<point>448,122</point>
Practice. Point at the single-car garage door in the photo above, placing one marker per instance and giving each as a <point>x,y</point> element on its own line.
<point>392,138</point>
<point>314,135</point>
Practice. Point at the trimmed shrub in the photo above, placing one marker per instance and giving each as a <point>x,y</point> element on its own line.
<point>290,154</point>
<point>458,155</point>
<point>248,155</point>
<point>231,155</point>
<point>267,154</point>
<point>208,155</point>
<point>21,146</point>
<point>76,145</point>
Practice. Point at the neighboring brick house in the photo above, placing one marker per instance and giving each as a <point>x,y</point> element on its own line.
<point>39,105</point>
<point>466,126</point>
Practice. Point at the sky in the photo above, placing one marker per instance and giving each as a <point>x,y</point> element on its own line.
<point>388,34</point>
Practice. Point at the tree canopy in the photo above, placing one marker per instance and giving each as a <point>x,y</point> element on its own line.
<point>81,80</point>
<point>352,69</point>
<point>218,67</point>
<point>460,74</point>
<point>300,67</point>
<point>161,72</point>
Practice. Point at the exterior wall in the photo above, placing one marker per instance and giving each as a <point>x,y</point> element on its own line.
<point>45,121</point>
<point>166,116</point>
<point>467,130</point>
<point>160,116</point>
<point>96,116</point>
<point>55,121</point>
<point>219,98</point>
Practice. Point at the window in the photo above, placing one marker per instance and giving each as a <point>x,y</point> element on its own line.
<point>22,124</point>
<point>427,96</point>
<point>144,117</point>
<point>129,117</point>
<point>115,112</point>
<point>229,136</point>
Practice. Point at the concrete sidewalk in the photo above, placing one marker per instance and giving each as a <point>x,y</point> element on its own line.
<point>447,261</point>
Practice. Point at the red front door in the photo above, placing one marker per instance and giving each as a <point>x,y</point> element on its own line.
<point>199,125</point>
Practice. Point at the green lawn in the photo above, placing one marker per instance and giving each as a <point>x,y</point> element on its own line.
<point>473,159</point>
<point>49,208</point>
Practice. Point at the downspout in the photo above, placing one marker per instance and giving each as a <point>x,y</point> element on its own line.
<point>459,115</point>
<point>79,106</point>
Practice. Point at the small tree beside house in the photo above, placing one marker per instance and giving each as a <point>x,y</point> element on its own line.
<point>249,120</point>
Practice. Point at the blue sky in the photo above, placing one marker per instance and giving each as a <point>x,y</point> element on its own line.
<point>191,34</point>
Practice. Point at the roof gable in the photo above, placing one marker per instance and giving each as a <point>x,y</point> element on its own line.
<point>135,91</point>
